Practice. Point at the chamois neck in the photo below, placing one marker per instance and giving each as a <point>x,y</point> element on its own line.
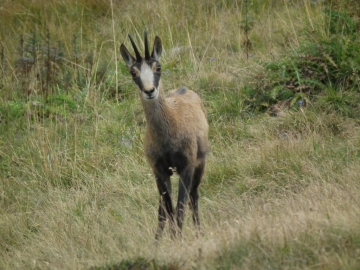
<point>157,113</point>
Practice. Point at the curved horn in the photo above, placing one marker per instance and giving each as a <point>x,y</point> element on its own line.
<point>137,54</point>
<point>147,54</point>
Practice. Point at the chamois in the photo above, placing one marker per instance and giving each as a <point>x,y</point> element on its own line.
<point>176,135</point>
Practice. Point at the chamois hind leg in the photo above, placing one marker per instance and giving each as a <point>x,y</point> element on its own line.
<point>194,194</point>
<point>184,190</point>
<point>166,209</point>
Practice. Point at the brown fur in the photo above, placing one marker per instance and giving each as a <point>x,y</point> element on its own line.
<point>176,136</point>
<point>178,119</point>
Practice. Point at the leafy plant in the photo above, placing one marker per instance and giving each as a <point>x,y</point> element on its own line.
<point>317,68</point>
<point>246,25</point>
<point>11,110</point>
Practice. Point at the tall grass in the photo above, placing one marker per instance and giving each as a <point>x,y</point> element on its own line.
<point>75,190</point>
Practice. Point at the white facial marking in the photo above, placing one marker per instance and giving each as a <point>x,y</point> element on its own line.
<point>147,80</point>
<point>146,76</point>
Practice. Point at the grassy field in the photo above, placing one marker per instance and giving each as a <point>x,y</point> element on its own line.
<point>281,83</point>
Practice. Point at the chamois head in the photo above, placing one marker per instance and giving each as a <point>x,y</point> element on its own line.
<point>146,71</point>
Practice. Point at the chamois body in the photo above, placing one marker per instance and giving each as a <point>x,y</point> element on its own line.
<point>176,136</point>
<point>169,136</point>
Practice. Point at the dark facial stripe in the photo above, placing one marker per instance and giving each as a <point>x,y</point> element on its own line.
<point>157,79</point>
<point>138,82</point>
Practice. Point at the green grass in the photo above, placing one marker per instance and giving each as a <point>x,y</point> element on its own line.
<point>281,185</point>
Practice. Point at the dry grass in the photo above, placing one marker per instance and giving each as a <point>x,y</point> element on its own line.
<point>76,192</point>
<point>267,190</point>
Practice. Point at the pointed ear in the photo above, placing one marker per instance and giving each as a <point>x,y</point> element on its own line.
<point>157,50</point>
<point>128,58</point>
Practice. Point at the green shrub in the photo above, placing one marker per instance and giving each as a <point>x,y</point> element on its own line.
<point>319,68</point>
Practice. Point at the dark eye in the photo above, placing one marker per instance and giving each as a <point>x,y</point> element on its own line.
<point>158,68</point>
<point>133,73</point>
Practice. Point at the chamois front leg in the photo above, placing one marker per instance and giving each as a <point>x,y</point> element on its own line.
<point>184,189</point>
<point>166,209</point>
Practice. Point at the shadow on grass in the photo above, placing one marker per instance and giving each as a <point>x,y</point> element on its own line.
<point>137,264</point>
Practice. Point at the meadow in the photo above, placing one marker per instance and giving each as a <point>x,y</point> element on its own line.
<point>281,84</point>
